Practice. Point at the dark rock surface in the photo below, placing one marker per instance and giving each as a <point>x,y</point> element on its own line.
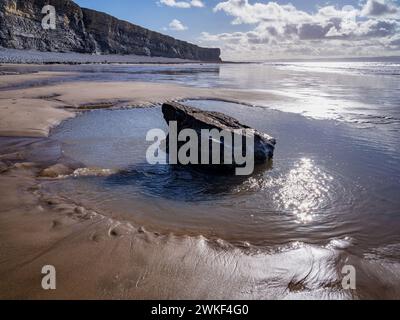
<point>193,118</point>
<point>87,31</point>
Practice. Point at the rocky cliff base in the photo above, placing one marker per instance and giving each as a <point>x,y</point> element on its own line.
<point>17,56</point>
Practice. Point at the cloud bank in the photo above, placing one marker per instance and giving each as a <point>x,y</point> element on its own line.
<point>372,28</point>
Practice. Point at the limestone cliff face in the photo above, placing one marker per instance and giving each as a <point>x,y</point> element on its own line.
<point>20,27</point>
<point>87,31</point>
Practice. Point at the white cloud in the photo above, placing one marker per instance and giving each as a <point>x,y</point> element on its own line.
<point>243,12</point>
<point>197,3</point>
<point>370,29</point>
<point>182,4</point>
<point>381,8</point>
<point>176,25</point>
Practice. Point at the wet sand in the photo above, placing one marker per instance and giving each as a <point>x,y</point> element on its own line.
<point>99,257</point>
<point>96,256</point>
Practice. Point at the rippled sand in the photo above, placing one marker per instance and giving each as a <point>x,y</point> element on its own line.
<point>99,257</point>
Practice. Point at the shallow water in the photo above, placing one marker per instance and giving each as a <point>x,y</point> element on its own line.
<point>365,93</point>
<point>329,180</point>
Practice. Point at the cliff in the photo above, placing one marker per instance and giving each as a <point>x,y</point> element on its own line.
<point>87,31</point>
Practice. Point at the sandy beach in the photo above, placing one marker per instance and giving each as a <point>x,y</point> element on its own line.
<point>102,255</point>
<point>96,256</point>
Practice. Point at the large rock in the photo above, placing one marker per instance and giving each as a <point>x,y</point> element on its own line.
<point>193,118</point>
<point>87,31</point>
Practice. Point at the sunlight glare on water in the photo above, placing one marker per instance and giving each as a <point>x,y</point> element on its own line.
<point>303,190</point>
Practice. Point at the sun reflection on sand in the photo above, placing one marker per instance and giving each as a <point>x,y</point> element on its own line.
<point>303,190</point>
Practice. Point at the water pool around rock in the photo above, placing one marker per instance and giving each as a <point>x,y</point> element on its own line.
<point>329,180</point>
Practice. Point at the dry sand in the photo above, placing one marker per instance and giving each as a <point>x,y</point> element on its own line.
<point>97,257</point>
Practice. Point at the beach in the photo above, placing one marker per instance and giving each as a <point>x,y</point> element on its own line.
<point>101,254</point>
<point>83,244</point>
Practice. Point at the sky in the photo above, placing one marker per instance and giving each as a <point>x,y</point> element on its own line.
<point>261,29</point>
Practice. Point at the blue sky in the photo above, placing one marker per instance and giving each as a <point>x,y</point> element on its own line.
<point>149,14</point>
<point>248,29</point>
